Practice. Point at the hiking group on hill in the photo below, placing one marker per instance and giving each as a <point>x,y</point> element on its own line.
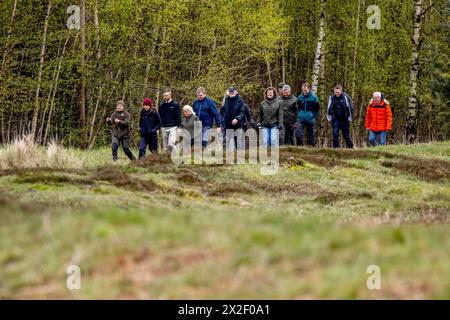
<point>282,119</point>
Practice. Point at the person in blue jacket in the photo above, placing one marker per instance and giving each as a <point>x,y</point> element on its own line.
<point>207,112</point>
<point>308,108</point>
<point>149,124</point>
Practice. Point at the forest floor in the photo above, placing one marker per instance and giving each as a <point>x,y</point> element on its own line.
<point>154,230</point>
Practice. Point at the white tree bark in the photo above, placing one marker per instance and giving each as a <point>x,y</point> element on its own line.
<point>41,68</point>
<point>319,49</point>
<point>411,122</point>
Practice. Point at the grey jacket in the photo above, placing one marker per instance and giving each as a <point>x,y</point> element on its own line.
<point>290,110</point>
<point>271,113</point>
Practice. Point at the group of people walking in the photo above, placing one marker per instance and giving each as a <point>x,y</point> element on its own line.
<point>282,119</point>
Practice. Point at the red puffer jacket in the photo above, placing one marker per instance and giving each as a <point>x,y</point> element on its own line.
<point>379,117</point>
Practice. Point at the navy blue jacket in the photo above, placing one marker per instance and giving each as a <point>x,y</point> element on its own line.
<point>234,108</point>
<point>207,112</point>
<point>149,122</point>
<point>170,114</point>
<point>347,111</point>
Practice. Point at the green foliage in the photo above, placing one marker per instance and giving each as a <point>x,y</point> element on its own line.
<point>142,46</point>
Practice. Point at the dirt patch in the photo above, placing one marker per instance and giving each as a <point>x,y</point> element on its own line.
<point>430,170</point>
<point>299,157</point>
<point>157,163</point>
<point>189,176</point>
<point>229,188</point>
<point>121,179</point>
<point>43,177</point>
<point>343,154</point>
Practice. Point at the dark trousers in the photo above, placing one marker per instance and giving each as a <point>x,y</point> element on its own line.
<point>344,126</point>
<point>300,132</point>
<point>125,142</point>
<point>288,134</point>
<point>150,140</point>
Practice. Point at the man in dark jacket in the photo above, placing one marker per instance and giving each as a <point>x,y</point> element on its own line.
<point>290,110</point>
<point>340,114</point>
<point>120,121</point>
<point>308,109</point>
<point>149,124</point>
<point>233,112</point>
<point>170,114</point>
<point>206,111</point>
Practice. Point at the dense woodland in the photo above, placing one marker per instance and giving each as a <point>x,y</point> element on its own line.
<point>61,83</point>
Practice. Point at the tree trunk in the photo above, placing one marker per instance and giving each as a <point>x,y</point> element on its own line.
<point>355,52</point>
<point>13,15</point>
<point>83,65</point>
<point>269,70</point>
<point>319,51</point>
<point>97,33</point>
<point>41,68</point>
<point>55,89</point>
<point>411,122</point>
<point>102,118</point>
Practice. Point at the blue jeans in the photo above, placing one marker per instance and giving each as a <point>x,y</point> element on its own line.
<point>381,135</point>
<point>205,136</point>
<point>270,136</point>
<point>344,126</point>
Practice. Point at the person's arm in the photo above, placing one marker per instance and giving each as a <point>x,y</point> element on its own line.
<point>216,113</point>
<point>368,117</point>
<point>295,106</point>
<point>241,116</point>
<point>316,106</point>
<point>280,116</point>
<point>389,117</point>
<point>261,114</point>
<point>329,112</point>
<point>178,112</point>
<point>352,108</point>
<point>110,120</point>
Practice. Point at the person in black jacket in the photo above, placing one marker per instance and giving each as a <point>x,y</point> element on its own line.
<point>149,124</point>
<point>340,114</point>
<point>170,114</point>
<point>233,112</point>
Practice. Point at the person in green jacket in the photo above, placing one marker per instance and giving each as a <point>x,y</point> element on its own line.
<point>120,121</point>
<point>308,109</point>
<point>271,117</point>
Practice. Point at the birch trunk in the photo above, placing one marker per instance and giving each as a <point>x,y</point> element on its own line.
<point>41,68</point>
<point>319,51</point>
<point>83,64</point>
<point>411,122</point>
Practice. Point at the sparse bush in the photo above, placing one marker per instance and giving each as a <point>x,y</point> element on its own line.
<point>25,154</point>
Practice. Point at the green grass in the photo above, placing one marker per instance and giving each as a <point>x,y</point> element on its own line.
<point>154,230</point>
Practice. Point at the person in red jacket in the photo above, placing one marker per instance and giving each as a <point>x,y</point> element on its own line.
<point>378,119</point>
